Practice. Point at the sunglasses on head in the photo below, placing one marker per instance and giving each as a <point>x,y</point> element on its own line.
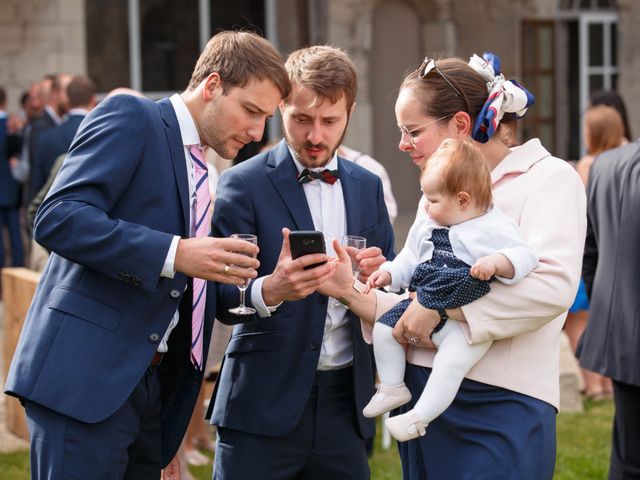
<point>428,65</point>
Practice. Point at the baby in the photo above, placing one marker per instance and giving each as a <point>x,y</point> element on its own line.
<point>448,261</point>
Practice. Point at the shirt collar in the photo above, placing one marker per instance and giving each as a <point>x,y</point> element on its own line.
<point>52,113</point>
<point>332,164</point>
<point>78,111</point>
<point>188,130</point>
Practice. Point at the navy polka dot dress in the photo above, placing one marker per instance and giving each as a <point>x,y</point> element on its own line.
<point>442,282</point>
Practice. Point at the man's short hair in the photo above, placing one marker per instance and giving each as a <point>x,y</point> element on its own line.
<point>239,57</point>
<point>81,91</point>
<point>326,70</point>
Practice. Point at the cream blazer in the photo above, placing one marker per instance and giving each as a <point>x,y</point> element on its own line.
<point>546,198</point>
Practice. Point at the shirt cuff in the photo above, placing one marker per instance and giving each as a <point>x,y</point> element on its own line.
<point>167,269</point>
<point>258,302</point>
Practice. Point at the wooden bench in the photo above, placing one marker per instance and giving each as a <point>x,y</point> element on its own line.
<point>18,287</point>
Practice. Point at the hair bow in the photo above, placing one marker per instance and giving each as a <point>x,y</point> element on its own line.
<point>505,96</point>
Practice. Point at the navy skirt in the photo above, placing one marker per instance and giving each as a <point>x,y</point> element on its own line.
<point>487,433</point>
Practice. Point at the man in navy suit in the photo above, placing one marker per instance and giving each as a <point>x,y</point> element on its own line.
<point>54,89</point>
<point>294,381</point>
<point>55,141</point>
<point>107,364</point>
<point>9,192</point>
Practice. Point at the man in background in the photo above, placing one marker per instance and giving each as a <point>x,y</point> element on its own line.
<point>611,340</point>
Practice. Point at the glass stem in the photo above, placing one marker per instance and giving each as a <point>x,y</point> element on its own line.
<point>242,290</point>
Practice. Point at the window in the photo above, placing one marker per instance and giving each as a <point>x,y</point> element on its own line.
<point>152,45</point>
<point>598,59</point>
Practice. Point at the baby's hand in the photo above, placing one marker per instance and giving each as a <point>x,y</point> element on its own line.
<point>379,278</point>
<point>484,268</point>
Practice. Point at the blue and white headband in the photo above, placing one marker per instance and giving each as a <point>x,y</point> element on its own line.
<point>505,96</point>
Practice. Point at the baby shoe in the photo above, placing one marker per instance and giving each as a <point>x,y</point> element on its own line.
<point>387,398</point>
<point>406,426</point>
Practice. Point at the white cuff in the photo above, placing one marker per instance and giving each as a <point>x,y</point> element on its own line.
<point>167,269</point>
<point>262,309</point>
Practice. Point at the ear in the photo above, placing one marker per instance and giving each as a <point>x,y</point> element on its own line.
<point>212,86</point>
<point>462,124</point>
<point>464,200</point>
<point>281,106</point>
<point>353,107</point>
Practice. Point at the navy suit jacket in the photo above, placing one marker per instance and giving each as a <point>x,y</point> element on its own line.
<point>101,306</point>
<point>42,124</point>
<point>49,145</point>
<point>270,364</point>
<point>9,188</point>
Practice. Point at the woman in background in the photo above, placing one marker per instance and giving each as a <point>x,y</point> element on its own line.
<point>603,130</point>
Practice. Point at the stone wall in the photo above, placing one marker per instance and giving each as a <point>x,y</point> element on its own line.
<point>39,37</point>
<point>629,60</point>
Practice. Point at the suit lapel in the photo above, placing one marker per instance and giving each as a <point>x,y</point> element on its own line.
<point>351,192</point>
<point>283,175</point>
<point>172,130</point>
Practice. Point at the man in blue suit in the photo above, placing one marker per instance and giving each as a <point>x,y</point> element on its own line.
<point>109,363</point>
<point>55,141</point>
<point>53,89</point>
<point>293,383</point>
<point>9,191</point>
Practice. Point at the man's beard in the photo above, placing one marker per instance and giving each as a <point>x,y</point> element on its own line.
<point>326,147</point>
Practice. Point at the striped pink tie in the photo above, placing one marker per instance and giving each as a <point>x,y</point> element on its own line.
<point>200,227</point>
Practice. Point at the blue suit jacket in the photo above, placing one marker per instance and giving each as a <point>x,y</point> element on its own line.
<point>9,188</point>
<point>41,125</point>
<point>270,364</point>
<point>49,145</point>
<point>101,306</point>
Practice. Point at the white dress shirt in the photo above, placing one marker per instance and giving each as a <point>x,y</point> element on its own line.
<point>190,136</point>
<point>326,204</point>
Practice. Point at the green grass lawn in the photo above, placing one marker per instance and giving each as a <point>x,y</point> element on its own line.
<point>583,450</point>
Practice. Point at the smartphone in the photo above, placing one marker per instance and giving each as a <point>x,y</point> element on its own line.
<point>304,242</point>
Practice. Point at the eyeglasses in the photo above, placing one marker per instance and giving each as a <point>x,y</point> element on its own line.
<point>429,64</point>
<point>413,134</point>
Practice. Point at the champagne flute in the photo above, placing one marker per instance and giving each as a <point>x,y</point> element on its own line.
<point>242,309</point>
<point>353,244</point>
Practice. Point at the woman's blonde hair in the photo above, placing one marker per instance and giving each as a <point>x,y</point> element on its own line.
<point>604,129</point>
<point>461,168</point>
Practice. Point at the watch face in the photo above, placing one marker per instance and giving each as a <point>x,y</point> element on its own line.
<point>359,286</point>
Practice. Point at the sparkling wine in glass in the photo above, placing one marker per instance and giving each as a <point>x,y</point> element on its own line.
<point>353,244</point>
<point>242,309</point>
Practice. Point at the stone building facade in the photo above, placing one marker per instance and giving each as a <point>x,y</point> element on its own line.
<point>540,41</point>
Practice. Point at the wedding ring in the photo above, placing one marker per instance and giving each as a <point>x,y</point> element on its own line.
<point>414,340</point>
<point>226,269</point>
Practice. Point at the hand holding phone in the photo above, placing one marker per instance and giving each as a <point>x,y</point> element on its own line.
<point>305,242</point>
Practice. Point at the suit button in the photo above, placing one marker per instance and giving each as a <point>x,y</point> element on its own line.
<point>322,300</point>
<point>314,346</point>
<point>174,293</point>
<point>154,337</point>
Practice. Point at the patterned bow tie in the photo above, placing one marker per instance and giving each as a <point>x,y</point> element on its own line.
<point>326,175</point>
